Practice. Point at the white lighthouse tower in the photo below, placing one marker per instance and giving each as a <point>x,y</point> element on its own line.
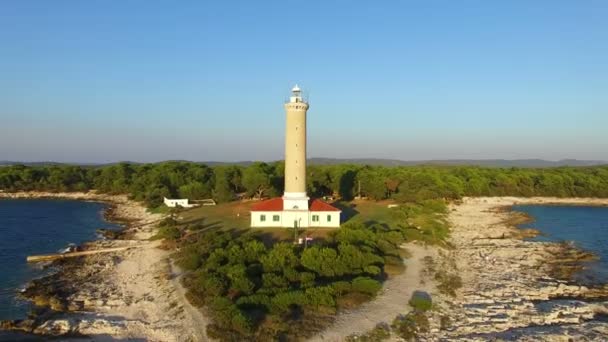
<point>295,208</point>
<point>295,197</point>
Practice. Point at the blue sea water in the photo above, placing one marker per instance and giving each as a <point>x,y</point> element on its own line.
<point>29,227</point>
<point>585,226</point>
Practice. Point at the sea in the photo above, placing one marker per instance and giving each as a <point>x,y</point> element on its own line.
<point>586,227</point>
<point>39,226</point>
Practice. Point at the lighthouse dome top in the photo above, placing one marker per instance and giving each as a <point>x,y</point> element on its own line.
<point>296,95</point>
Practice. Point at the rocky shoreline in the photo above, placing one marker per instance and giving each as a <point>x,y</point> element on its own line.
<point>129,294</point>
<point>516,289</point>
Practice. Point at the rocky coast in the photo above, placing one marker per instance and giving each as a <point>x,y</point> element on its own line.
<point>131,294</point>
<point>515,289</point>
<point>488,284</point>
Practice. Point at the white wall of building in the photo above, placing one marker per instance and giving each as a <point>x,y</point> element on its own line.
<point>265,219</point>
<point>324,219</point>
<point>329,219</point>
<point>182,202</point>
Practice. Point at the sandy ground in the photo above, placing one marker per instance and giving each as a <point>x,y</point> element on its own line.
<point>141,297</point>
<point>392,301</point>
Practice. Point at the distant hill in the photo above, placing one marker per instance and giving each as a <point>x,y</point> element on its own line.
<point>471,162</point>
<point>383,162</point>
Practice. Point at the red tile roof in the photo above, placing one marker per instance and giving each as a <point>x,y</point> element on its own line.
<point>276,204</point>
<point>273,204</point>
<point>318,205</point>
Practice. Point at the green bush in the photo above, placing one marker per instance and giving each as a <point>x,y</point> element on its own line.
<point>341,287</point>
<point>366,285</point>
<point>307,279</point>
<point>167,233</point>
<point>411,325</point>
<point>189,261</point>
<point>373,270</point>
<point>284,300</point>
<point>320,296</point>
<point>381,332</point>
<point>255,300</point>
<point>421,301</point>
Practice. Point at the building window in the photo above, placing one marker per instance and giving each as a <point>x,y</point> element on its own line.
<point>315,218</point>
<point>262,218</point>
<point>328,218</point>
<point>275,218</point>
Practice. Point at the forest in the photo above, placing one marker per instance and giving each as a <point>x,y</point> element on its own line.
<point>151,182</point>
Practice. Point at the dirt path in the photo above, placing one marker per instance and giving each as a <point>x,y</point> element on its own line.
<point>197,320</point>
<point>392,301</point>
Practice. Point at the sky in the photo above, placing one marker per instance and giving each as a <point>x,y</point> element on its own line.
<point>104,81</point>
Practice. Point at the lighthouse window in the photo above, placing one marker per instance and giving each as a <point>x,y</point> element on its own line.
<point>315,218</point>
<point>262,218</point>
<point>275,218</point>
<point>328,218</point>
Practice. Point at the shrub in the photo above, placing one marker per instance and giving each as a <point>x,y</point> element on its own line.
<point>255,299</point>
<point>322,260</point>
<point>393,260</point>
<point>271,280</point>
<point>320,296</point>
<point>381,332</point>
<point>307,279</point>
<point>282,301</point>
<point>211,285</point>
<point>409,326</point>
<point>421,301</point>
<point>189,262</point>
<point>168,233</point>
<point>341,287</point>
<point>168,222</point>
<point>373,270</point>
<point>366,285</point>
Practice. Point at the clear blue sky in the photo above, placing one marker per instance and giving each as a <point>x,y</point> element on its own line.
<point>99,81</point>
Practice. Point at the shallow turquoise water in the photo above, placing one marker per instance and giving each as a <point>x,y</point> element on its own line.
<point>585,226</point>
<point>30,227</point>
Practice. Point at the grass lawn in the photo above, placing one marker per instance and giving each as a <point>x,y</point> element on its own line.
<point>236,216</point>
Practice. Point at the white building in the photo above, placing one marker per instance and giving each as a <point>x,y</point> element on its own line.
<point>295,208</point>
<point>178,202</point>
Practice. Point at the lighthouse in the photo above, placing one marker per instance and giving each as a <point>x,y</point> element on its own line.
<point>295,208</point>
<point>295,197</point>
